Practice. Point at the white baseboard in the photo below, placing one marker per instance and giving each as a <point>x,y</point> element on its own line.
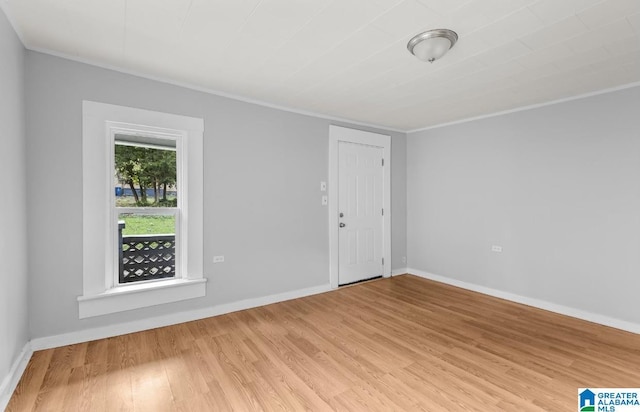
<point>10,381</point>
<point>401,271</point>
<point>167,320</point>
<point>537,303</point>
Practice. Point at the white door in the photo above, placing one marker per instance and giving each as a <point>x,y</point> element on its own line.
<point>360,203</point>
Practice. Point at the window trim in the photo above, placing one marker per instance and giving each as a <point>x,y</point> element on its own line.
<point>100,294</point>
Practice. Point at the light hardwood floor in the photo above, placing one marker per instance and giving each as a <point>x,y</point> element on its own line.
<point>403,343</point>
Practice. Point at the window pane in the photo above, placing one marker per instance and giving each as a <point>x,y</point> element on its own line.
<point>145,172</point>
<point>146,247</point>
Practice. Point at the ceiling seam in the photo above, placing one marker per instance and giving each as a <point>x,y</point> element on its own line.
<point>359,29</point>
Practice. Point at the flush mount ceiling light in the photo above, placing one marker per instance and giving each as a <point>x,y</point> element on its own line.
<point>432,44</point>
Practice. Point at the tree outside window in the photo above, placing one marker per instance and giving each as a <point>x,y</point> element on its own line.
<point>146,205</point>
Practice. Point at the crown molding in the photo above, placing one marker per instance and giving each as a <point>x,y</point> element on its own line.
<point>528,107</point>
<point>210,91</point>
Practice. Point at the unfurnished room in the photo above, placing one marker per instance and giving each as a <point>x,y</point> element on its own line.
<point>326,205</point>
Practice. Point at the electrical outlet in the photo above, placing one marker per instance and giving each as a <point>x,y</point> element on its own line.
<point>496,248</point>
<point>218,259</point>
<point>325,200</point>
<point>404,259</point>
<point>323,186</point>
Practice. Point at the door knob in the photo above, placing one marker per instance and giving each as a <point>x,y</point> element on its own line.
<point>342,225</point>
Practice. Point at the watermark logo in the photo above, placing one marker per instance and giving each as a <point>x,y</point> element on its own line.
<point>609,400</point>
<point>587,401</point>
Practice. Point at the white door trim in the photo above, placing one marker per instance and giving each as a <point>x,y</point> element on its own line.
<point>342,134</point>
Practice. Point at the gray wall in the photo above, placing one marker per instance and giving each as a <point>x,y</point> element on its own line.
<point>13,242</point>
<point>558,187</point>
<point>262,171</point>
<point>398,202</point>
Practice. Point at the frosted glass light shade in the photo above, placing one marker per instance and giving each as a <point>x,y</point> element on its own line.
<point>432,49</point>
<point>432,45</point>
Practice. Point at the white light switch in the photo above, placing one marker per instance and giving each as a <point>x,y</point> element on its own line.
<point>323,186</point>
<point>325,200</point>
<point>218,259</point>
<point>496,248</point>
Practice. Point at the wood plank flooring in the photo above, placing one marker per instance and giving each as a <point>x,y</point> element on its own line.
<point>403,343</point>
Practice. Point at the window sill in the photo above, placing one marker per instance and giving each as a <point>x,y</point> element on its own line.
<point>129,297</point>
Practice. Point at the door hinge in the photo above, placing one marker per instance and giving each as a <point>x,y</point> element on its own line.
<point>382,261</point>
<point>382,162</point>
<point>382,212</point>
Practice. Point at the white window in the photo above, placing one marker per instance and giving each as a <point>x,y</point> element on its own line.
<point>142,209</point>
<point>147,201</point>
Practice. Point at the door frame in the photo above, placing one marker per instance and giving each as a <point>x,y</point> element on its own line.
<point>339,134</point>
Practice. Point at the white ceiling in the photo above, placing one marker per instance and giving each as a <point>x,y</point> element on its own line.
<point>348,58</point>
